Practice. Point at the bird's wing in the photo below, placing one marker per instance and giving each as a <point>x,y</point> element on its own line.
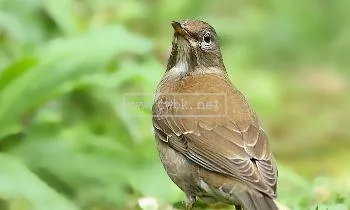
<point>243,154</point>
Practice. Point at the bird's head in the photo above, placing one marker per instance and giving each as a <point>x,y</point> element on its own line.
<point>195,46</point>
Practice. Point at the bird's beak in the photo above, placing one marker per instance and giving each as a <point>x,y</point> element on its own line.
<point>179,30</point>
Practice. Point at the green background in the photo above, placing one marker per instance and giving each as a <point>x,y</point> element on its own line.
<point>68,143</point>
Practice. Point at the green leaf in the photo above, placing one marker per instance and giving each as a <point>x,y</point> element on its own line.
<point>331,207</point>
<point>15,70</point>
<point>62,63</point>
<point>62,13</point>
<point>23,190</point>
<point>79,151</point>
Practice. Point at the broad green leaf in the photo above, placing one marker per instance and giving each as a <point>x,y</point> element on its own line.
<point>331,207</point>
<point>21,188</point>
<point>90,165</point>
<point>63,14</point>
<point>15,70</point>
<point>61,65</point>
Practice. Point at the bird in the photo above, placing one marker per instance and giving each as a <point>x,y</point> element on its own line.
<point>210,141</point>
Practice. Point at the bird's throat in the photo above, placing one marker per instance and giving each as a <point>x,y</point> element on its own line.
<point>183,64</point>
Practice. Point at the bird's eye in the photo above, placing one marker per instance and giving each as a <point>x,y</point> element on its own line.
<point>207,38</point>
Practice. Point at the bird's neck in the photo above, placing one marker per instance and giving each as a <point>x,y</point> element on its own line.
<point>183,69</point>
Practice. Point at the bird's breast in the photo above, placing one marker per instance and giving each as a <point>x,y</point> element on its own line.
<point>207,95</point>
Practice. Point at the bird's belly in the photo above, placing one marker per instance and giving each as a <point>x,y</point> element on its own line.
<point>181,170</point>
<point>189,177</point>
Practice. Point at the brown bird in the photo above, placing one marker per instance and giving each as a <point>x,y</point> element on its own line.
<point>209,139</point>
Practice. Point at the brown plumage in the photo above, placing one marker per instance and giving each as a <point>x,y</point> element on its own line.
<point>209,140</point>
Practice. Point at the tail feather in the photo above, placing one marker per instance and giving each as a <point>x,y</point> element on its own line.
<point>256,201</point>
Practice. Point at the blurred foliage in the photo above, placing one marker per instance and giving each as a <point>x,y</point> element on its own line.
<point>66,142</point>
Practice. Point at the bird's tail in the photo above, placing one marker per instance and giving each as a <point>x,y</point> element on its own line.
<point>256,201</point>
